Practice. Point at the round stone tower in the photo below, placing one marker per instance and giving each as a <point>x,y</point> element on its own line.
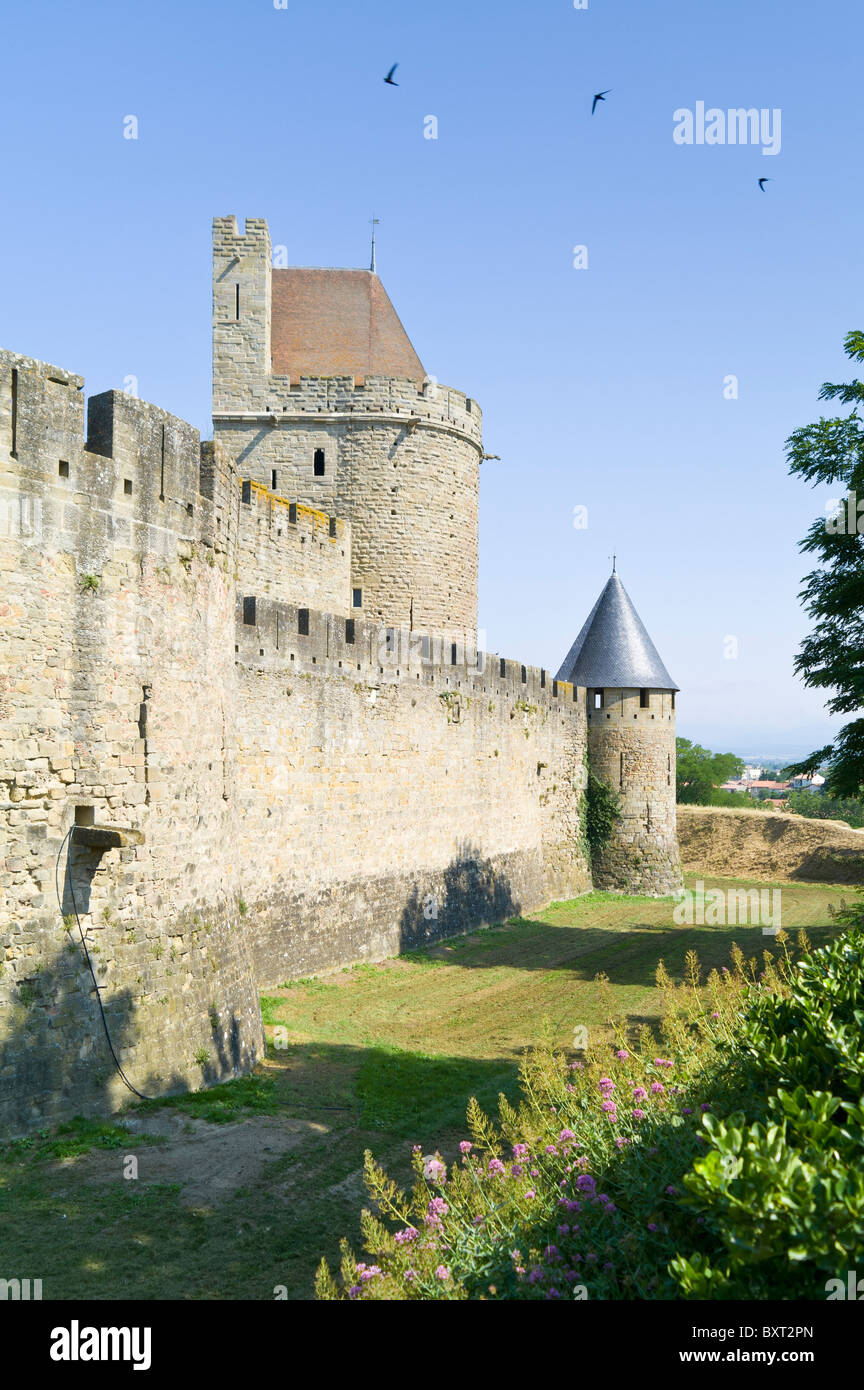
<point>631,743</point>
<point>319,395</point>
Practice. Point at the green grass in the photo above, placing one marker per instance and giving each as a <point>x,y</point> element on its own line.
<point>248,1095</point>
<point>378,1056</point>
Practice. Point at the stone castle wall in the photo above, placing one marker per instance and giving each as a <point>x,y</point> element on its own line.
<point>292,553</point>
<point>632,750</point>
<point>292,790</point>
<point>392,793</point>
<point>116,670</point>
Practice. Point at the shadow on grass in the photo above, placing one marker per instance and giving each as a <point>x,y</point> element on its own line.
<point>627,955</point>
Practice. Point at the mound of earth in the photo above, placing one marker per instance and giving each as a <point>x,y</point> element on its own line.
<point>768,845</point>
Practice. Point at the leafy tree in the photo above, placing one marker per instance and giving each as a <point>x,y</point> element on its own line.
<point>818,807</point>
<point>832,656</point>
<point>699,772</point>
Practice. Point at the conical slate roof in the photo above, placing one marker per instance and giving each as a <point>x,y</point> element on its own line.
<point>613,649</point>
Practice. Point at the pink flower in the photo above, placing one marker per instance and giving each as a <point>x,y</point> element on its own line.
<point>519,1150</point>
<point>657,1088</point>
<point>622,1055</point>
<point>403,1237</point>
<point>435,1169</point>
<point>639,1093</point>
<point>566,1134</point>
<point>442,1272</point>
<point>530,1194</point>
<point>609,1106</point>
<point>639,1114</point>
<point>410,1274</point>
<point>517,1170</point>
<point>466,1146</point>
<point>496,1166</point>
<point>551,1149</point>
<point>606,1084</point>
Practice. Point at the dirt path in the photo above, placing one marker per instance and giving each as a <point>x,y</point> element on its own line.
<point>210,1161</point>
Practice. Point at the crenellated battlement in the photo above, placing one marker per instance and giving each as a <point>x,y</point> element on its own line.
<point>288,551</point>
<point>134,483</point>
<point>272,636</point>
<point>277,402</point>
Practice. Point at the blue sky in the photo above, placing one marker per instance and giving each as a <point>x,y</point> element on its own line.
<point>601,387</point>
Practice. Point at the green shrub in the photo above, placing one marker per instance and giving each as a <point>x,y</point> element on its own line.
<point>602,813</point>
<point>781,1192</point>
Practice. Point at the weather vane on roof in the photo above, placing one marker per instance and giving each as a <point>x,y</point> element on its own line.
<point>374,221</point>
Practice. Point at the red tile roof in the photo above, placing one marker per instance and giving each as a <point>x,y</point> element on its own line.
<point>338,323</point>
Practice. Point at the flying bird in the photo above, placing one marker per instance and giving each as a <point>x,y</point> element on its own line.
<point>599,96</point>
<point>762,183</point>
<point>389,77</point>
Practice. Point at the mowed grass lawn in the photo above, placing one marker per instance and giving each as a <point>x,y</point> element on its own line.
<point>378,1056</point>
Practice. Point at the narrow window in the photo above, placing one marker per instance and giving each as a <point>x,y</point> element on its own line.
<point>273,480</point>
<point>389,640</point>
<point>554,688</point>
<point>349,631</point>
<point>318,463</point>
<point>14,449</point>
<point>358,598</point>
<point>673,699</point>
<point>503,668</point>
<point>236,301</point>
<point>542,679</point>
<point>303,621</point>
<point>292,513</point>
<point>598,699</point>
<point>162,469</point>
<point>425,648</point>
<point>249,611</point>
<point>127,486</point>
<point>524,676</point>
<point>332,526</point>
<point>621,772</point>
<point>63,469</point>
<point>452,653</point>
<point>643,699</point>
<point>246,490</point>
